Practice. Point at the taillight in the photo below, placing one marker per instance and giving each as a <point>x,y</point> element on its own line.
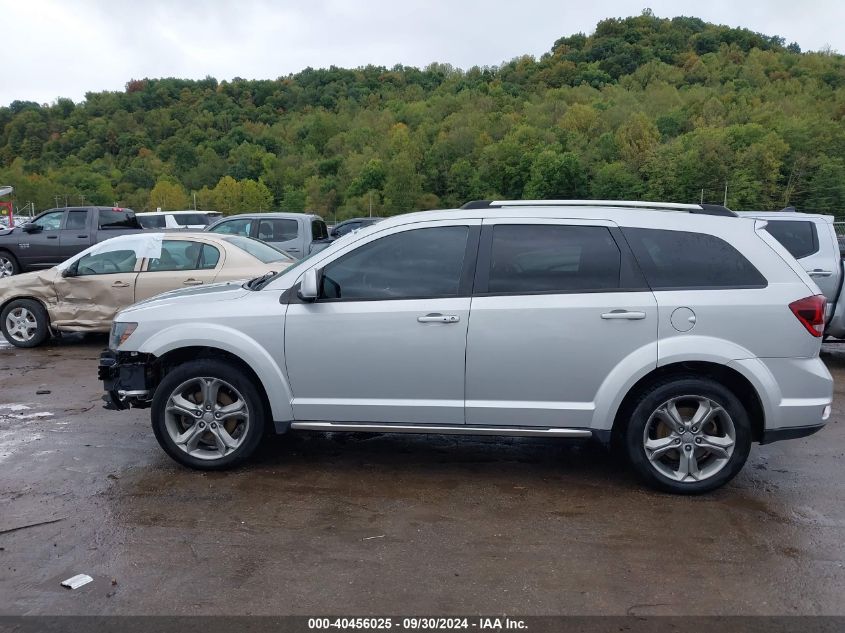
<point>810,311</point>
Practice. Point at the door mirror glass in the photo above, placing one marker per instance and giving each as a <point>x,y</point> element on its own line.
<point>309,288</point>
<point>29,227</point>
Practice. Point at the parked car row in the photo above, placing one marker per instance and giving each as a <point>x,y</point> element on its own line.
<point>57,234</point>
<point>83,293</point>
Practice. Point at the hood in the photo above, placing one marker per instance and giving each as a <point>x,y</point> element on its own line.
<point>5,231</point>
<point>220,292</point>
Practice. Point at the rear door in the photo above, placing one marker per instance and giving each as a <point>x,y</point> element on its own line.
<point>557,306</point>
<point>182,263</point>
<point>76,231</point>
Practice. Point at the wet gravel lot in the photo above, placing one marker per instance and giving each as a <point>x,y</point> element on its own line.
<point>362,524</point>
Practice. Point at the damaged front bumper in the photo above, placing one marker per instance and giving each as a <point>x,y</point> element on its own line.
<point>127,379</point>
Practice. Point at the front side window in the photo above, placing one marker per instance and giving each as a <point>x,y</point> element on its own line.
<point>797,236</point>
<point>419,263</point>
<point>107,263</point>
<point>278,230</point>
<point>549,258</point>
<point>234,227</point>
<point>681,260</point>
<point>177,255</point>
<point>50,221</point>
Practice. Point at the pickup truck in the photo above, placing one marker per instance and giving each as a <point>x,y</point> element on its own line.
<point>298,234</point>
<point>58,234</point>
<point>811,239</point>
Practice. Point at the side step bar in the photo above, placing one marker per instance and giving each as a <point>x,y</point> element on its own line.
<point>458,429</point>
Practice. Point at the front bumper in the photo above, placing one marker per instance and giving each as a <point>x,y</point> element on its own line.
<point>126,380</point>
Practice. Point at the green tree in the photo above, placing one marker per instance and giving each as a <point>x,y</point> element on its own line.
<point>556,177</point>
<point>168,195</point>
<point>255,196</point>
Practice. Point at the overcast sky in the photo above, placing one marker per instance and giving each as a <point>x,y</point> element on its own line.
<point>62,48</point>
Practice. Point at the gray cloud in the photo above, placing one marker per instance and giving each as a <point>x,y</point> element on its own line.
<point>59,48</point>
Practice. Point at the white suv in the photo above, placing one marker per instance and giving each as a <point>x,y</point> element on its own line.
<point>681,333</point>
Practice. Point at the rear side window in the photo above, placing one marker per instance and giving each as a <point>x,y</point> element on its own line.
<point>118,219</point>
<point>319,230</point>
<point>681,260</point>
<point>278,230</point>
<point>797,236</point>
<point>177,255</point>
<point>77,219</point>
<point>527,259</point>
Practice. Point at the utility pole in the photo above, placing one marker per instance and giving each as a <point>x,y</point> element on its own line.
<point>57,201</point>
<point>195,200</point>
<point>702,196</point>
<point>82,198</point>
<point>726,193</point>
<point>371,203</point>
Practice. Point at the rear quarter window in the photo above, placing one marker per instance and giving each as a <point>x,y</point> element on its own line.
<point>799,237</point>
<point>118,219</point>
<point>683,260</point>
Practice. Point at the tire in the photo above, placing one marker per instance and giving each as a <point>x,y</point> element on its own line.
<point>654,441</point>
<point>210,443</point>
<point>8,264</point>
<point>25,323</point>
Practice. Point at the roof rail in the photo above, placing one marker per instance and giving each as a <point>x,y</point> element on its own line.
<point>701,209</point>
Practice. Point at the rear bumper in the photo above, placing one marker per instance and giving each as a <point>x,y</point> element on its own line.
<point>796,394</point>
<point>789,433</point>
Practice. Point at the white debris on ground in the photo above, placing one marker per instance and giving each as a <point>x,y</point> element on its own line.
<point>12,436</point>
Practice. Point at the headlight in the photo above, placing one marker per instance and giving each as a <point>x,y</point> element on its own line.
<point>120,332</point>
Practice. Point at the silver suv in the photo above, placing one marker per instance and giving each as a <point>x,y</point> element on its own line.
<point>679,333</point>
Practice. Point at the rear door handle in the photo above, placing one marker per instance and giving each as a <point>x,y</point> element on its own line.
<point>120,284</point>
<point>436,317</point>
<point>82,237</point>
<point>818,272</point>
<point>630,315</point>
<point>192,282</point>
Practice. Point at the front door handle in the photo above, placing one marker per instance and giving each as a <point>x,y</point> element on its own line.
<point>630,315</point>
<point>818,272</point>
<point>120,284</point>
<point>192,282</point>
<point>436,317</point>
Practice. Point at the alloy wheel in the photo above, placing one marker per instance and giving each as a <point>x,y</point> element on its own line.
<point>689,438</point>
<point>207,418</point>
<point>7,269</point>
<point>21,325</point>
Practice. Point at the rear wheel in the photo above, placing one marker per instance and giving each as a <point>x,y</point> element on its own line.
<point>688,435</point>
<point>25,323</point>
<point>207,415</point>
<point>8,264</point>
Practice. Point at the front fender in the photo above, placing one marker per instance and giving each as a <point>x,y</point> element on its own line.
<point>216,336</point>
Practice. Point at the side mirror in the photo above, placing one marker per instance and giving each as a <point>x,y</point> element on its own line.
<point>70,271</point>
<point>309,289</point>
<point>29,227</point>
<point>333,233</point>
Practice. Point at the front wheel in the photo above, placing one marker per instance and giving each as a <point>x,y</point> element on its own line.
<point>25,323</point>
<point>688,435</point>
<point>207,415</point>
<point>8,264</point>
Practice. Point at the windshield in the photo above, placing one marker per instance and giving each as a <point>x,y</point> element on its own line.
<point>261,251</point>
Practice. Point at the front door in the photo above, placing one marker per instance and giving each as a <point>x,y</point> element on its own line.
<point>386,340</point>
<point>40,248</point>
<point>96,287</point>
<point>556,309</point>
<point>181,264</point>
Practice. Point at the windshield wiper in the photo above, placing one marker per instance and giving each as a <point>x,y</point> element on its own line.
<point>258,282</point>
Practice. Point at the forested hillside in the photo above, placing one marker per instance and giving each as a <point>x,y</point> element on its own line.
<point>642,108</point>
